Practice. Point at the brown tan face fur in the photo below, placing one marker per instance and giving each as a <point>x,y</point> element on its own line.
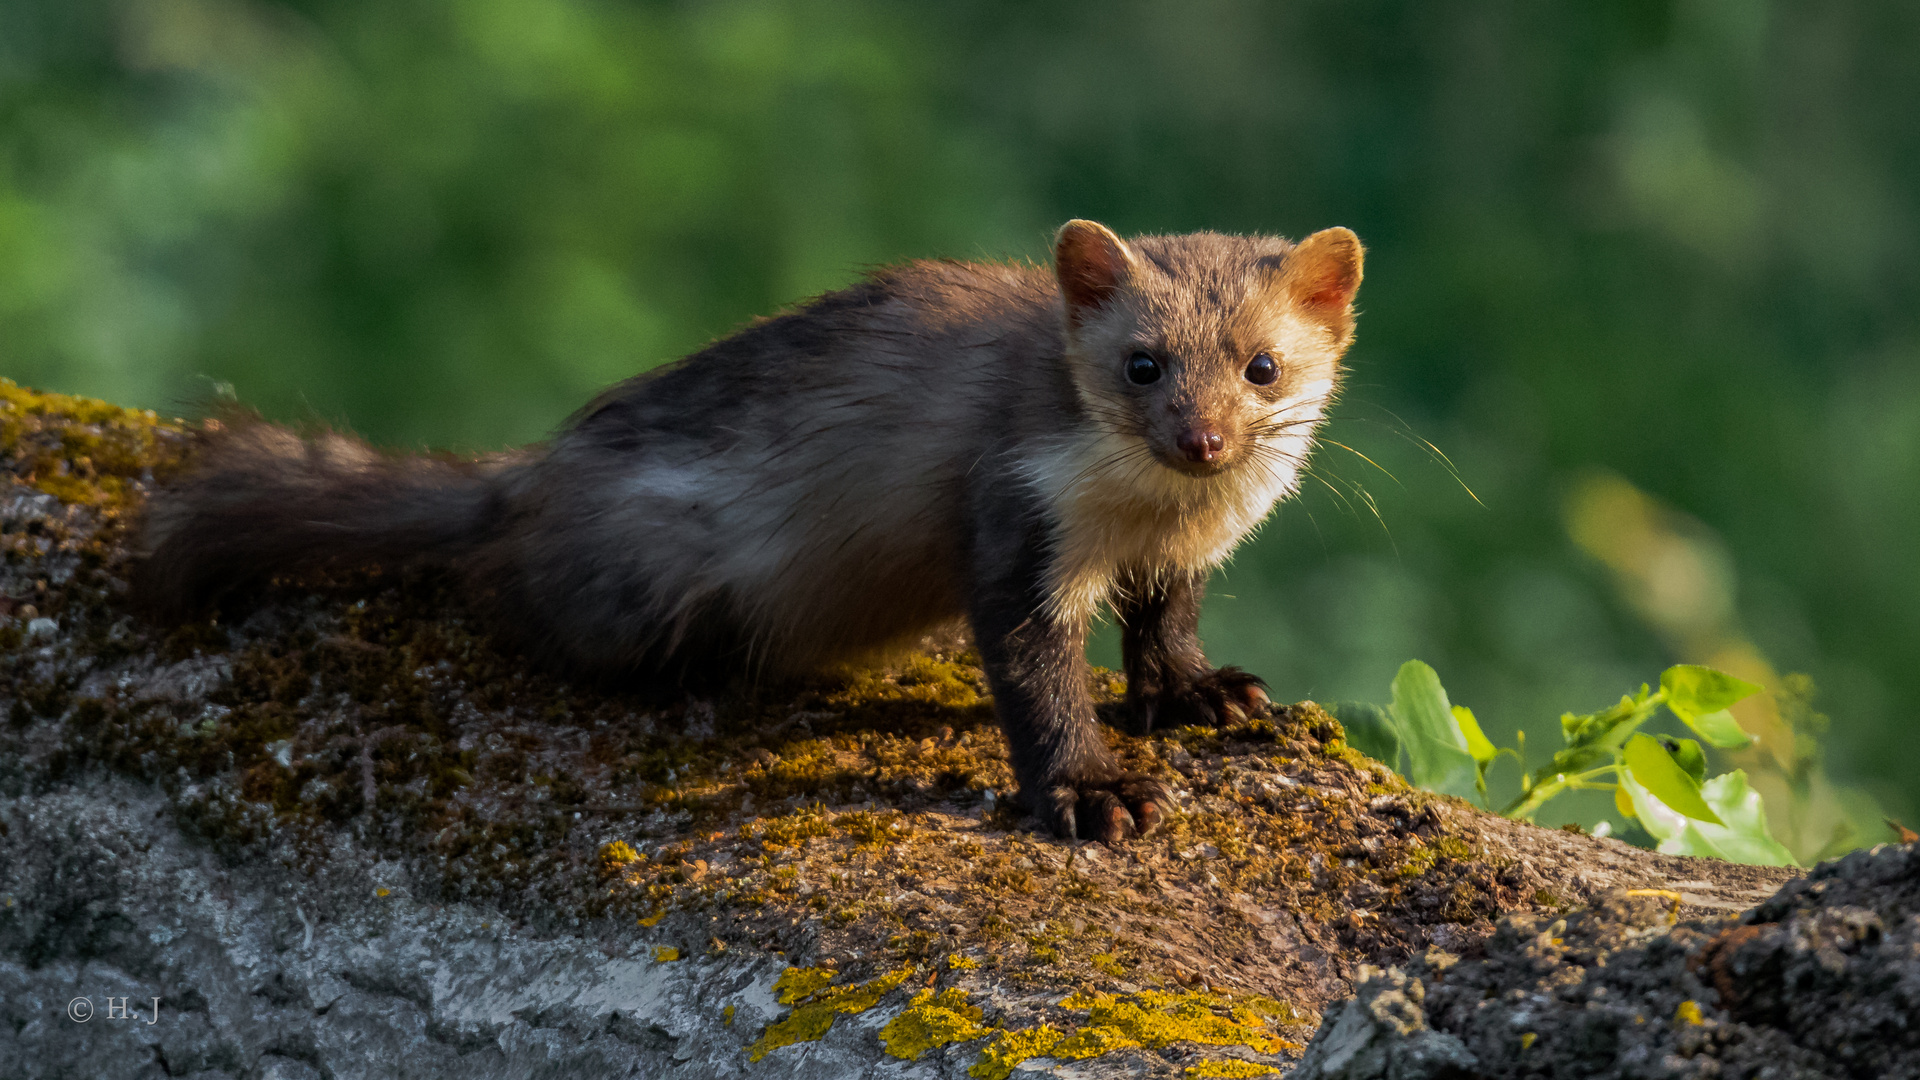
<point>1132,495</point>
<point>1205,347</point>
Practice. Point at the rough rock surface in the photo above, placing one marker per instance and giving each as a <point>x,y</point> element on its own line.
<point>336,833</point>
<point>1820,982</point>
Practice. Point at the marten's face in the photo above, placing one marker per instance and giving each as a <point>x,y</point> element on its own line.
<point>1209,356</point>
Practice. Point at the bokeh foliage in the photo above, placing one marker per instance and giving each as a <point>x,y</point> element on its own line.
<point>1666,241</point>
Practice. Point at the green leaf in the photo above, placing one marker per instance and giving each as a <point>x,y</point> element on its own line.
<point>1370,730</point>
<point>1720,729</point>
<point>1437,756</point>
<point>1608,728</point>
<point>1747,839</point>
<point>1577,760</point>
<point>1743,836</point>
<point>1699,696</point>
<point>1479,747</point>
<point>1478,744</point>
<point>1688,755</point>
<point>1655,770</point>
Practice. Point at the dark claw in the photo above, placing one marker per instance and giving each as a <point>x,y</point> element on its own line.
<point>1105,817</point>
<point>1226,694</point>
<point>1241,692</point>
<point>1110,812</point>
<point>1149,799</point>
<point>1059,811</point>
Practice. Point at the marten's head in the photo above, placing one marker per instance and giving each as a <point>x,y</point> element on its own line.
<point>1219,354</point>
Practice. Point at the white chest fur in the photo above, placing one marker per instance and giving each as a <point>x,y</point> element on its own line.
<point>1117,511</point>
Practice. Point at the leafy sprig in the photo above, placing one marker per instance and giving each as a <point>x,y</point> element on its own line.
<point>1657,780</point>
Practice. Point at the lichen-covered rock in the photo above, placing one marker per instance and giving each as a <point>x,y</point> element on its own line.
<point>337,832</point>
<point>1382,1032</point>
<point>1821,982</point>
<point>191,966</point>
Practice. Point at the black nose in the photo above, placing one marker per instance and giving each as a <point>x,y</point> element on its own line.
<point>1201,444</point>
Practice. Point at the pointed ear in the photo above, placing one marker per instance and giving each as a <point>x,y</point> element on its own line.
<point>1322,273</point>
<point>1092,263</point>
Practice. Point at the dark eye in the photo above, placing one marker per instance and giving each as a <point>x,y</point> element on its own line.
<point>1142,369</point>
<point>1262,370</point>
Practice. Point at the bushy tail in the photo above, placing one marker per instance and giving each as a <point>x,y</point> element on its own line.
<point>259,500</point>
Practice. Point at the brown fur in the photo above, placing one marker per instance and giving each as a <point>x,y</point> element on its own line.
<point>942,439</point>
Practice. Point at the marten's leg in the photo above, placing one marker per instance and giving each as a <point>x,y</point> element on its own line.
<point>1169,682</point>
<point>1036,663</point>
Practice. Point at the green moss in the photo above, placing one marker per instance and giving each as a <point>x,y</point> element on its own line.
<point>1419,861</point>
<point>792,829</point>
<point>953,684</point>
<point>872,830</point>
<point>931,1021</point>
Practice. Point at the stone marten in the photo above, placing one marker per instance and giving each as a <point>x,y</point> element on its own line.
<point>943,439</point>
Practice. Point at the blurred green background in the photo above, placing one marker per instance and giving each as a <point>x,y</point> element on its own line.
<point>1646,271</point>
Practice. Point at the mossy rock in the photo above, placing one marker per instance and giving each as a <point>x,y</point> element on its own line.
<point>333,734</point>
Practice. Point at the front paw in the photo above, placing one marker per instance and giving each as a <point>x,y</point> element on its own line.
<point>1225,695</point>
<point>1110,811</point>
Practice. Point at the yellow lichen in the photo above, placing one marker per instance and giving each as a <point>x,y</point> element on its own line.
<point>1094,1040</point>
<point>1688,1013</point>
<point>1228,1069</point>
<point>1005,1053</point>
<point>1255,1008</point>
<point>665,954</point>
<point>957,962</point>
<point>931,1021</point>
<point>616,856</point>
<point>797,984</point>
<point>77,449</point>
<point>810,1021</point>
<point>1155,1019</point>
